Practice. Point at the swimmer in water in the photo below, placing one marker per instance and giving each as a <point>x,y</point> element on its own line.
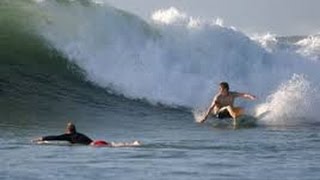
<point>72,136</point>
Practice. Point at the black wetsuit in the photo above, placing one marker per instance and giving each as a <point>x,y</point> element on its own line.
<point>72,138</point>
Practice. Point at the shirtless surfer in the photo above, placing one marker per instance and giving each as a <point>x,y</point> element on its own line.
<point>222,104</point>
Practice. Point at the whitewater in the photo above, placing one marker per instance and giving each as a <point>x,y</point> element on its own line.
<point>123,78</point>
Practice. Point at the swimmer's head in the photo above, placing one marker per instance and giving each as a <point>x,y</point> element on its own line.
<point>71,128</point>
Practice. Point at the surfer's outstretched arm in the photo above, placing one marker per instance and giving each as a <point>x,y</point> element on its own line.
<point>247,96</point>
<point>63,137</point>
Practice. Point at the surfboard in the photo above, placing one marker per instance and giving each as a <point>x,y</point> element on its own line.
<point>244,121</point>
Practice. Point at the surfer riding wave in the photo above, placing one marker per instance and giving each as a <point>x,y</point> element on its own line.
<point>222,104</point>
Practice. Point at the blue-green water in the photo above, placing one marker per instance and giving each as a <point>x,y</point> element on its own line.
<point>173,148</point>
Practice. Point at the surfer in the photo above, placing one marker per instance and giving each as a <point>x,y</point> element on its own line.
<point>222,104</point>
<point>71,135</point>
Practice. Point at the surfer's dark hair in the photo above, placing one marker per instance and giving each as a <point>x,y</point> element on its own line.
<point>224,85</point>
<point>71,127</point>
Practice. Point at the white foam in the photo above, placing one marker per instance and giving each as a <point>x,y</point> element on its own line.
<point>289,103</point>
<point>268,41</point>
<point>169,16</point>
<point>310,47</point>
<point>126,144</point>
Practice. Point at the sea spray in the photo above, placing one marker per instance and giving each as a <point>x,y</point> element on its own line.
<point>290,103</point>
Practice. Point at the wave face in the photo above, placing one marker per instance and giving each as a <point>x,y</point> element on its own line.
<point>173,59</point>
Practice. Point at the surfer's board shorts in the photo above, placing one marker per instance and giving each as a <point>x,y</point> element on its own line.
<point>223,114</point>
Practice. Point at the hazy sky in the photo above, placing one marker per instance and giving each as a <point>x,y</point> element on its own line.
<point>282,17</point>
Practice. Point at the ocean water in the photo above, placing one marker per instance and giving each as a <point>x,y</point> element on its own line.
<point>121,78</point>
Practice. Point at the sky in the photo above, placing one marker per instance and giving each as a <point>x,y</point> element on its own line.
<point>280,17</point>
